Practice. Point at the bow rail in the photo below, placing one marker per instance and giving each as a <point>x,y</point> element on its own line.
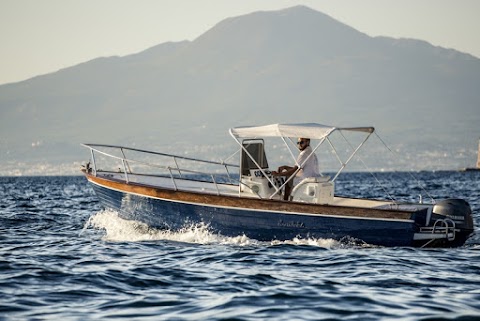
<point>144,166</point>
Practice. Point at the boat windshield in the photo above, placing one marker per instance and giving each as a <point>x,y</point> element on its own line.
<point>253,152</point>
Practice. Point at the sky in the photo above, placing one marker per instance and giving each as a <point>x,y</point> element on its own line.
<point>39,37</point>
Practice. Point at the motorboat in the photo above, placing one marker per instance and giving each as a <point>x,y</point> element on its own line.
<point>243,197</point>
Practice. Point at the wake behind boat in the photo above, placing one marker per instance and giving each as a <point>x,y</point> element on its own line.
<point>168,191</point>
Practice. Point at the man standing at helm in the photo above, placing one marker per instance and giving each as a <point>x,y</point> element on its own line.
<point>308,163</point>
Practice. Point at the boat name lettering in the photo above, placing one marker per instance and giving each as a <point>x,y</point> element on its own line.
<point>291,224</point>
<point>453,217</point>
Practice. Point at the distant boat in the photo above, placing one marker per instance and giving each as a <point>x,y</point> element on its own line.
<point>474,169</point>
<point>172,192</point>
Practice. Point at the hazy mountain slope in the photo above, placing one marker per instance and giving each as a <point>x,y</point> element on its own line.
<point>292,65</point>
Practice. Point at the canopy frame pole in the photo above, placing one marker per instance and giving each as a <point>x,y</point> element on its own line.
<point>351,156</point>
<point>288,147</point>
<point>335,151</point>
<point>373,175</point>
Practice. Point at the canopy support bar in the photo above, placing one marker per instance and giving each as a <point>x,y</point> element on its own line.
<point>351,156</point>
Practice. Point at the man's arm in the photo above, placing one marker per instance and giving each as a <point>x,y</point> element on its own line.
<point>285,171</point>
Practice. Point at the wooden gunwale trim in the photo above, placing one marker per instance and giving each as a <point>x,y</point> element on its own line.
<point>249,203</point>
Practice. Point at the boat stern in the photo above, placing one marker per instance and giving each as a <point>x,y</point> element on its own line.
<point>449,223</point>
<point>457,210</point>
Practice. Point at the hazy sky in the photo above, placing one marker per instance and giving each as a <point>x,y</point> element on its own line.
<point>38,37</point>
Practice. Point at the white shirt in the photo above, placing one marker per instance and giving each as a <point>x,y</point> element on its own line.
<point>309,169</point>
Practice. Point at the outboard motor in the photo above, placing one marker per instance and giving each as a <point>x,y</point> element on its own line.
<point>458,210</point>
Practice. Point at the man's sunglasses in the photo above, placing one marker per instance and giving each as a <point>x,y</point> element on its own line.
<point>301,142</point>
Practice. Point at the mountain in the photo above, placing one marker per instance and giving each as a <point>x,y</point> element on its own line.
<point>291,65</point>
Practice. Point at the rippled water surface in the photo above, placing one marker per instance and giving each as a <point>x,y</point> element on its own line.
<point>62,257</point>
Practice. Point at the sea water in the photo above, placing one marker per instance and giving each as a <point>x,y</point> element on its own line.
<point>63,257</point>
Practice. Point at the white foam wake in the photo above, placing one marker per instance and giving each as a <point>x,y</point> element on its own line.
<point>120,230</point>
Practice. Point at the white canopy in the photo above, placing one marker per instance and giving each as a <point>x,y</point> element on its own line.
<point>309,130</point>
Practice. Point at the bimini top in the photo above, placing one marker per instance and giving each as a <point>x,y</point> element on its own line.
<point>309,130</point>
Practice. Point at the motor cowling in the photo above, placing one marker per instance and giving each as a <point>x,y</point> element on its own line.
<point>458,210</point>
